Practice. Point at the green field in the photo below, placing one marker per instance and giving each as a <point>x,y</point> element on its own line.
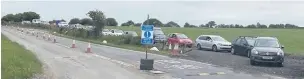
<point>17,62</point>
<point>292,39</point>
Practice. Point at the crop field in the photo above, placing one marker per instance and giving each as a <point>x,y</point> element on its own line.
<point>292,39</point>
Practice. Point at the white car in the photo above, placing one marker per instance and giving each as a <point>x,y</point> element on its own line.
<point>214,42</point>
<point>116,32</point>
<point>106,32</point>
<point>63,24</point>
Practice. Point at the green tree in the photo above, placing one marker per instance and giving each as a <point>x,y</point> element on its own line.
<point>171,24</point>
<point>29,16</point>
<point>128,23</point>
<point>137,24</point>
<point>8,17</point>
<point>153,21</point>
<point>86,21</point>
<point>203,25</point>
<point>193,26</point>
<point>251,26</point>
<point>99,20</point>
<point>18,17</point>
<point>290,26</point>
<point>75,21</point>
<point>211,24</point>
<point>111,22</point>
<point>186,24</point>
<point>261,25</point>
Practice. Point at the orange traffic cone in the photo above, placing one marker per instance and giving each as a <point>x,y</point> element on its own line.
<point>89,48</point>
<point>49,38</point>
<point>73,45</point>
<point>175,50</point>
<point>54,41</point>
<point>43,36</point>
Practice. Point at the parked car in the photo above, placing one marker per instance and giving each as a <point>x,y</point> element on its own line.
<point>158,35</point>
<point>63,24</point>
<point>180,38</point>
<point>132,33</point>
<point>106,32</point>
<point>259,49</point>
<point>214,42</point>
<point>116,32</point>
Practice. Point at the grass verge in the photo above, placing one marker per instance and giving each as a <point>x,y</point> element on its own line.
<point>17,62</point>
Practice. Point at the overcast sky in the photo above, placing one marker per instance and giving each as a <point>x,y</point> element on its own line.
<point>193,12</point>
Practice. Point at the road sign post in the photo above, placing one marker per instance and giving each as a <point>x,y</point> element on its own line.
<point>146,39</point>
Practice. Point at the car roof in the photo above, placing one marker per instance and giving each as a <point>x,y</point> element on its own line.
<point>129,31</point>
<point>157,28</point>
<point>176,33</point>
<point>274,38</point>
<point>211,35</point>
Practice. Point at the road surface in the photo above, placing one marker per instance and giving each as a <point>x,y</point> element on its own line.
<point>174,67</point>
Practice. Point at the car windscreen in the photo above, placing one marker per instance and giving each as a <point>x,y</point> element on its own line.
<point>250,41</point>
<point>119,31</point>
<point>267,43</point>
<point>181,36</point>
<point>218,38</point>
<point>158,32</point>
<point>106,30</point>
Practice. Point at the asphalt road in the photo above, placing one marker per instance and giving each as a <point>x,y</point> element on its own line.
<point>211,65</point>
<point>293,68</point>
<point>66,63</point>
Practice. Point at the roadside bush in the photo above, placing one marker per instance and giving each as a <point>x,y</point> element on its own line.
<point>113,39</point>
<point>81,33</point>
<point>127,39</point>
<point>136,40</point>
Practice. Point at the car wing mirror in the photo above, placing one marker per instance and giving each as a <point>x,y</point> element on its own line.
<point>282,46</point>
<point>245,44</point>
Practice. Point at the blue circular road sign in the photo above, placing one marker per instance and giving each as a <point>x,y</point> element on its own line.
<point>147,34</point>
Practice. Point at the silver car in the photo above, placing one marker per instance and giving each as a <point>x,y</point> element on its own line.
<point>214,42</point>
<point>132,33</point>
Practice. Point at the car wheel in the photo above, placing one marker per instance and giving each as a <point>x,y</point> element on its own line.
<point>248,54</point>
<point>232,51</point>
<point>252,62</point>
<point>280,64</point>
<point>214,48</point>
<point>199,47</point>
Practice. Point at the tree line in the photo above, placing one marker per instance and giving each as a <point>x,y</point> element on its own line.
<point>19,17</point>
<point>29,16</point>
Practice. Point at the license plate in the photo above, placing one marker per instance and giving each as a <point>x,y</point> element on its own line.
<point>267,57</point>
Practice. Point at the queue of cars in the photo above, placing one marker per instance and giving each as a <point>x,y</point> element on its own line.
<point>258,49</point>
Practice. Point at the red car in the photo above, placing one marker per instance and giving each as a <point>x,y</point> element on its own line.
<point>179,38</point>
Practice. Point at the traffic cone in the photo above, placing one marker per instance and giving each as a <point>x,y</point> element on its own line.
<point>170,47</point>
<point>43,36</point>
<point>175,49</point>
<point>73,45</point>
<point>37,35</point>
<point>49,38</point>
<point>54,40</point>
<point>89,48</point>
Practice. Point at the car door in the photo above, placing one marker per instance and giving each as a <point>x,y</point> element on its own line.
<point>201,40</point>
<point>243,47</point>
<point>171,38</point>
<point>208,42</point>
<point>236,45</point>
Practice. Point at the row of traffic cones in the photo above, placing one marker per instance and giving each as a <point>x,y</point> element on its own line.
<point>88,48</point>
<point>55,41</point>
<point>175,50</point>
